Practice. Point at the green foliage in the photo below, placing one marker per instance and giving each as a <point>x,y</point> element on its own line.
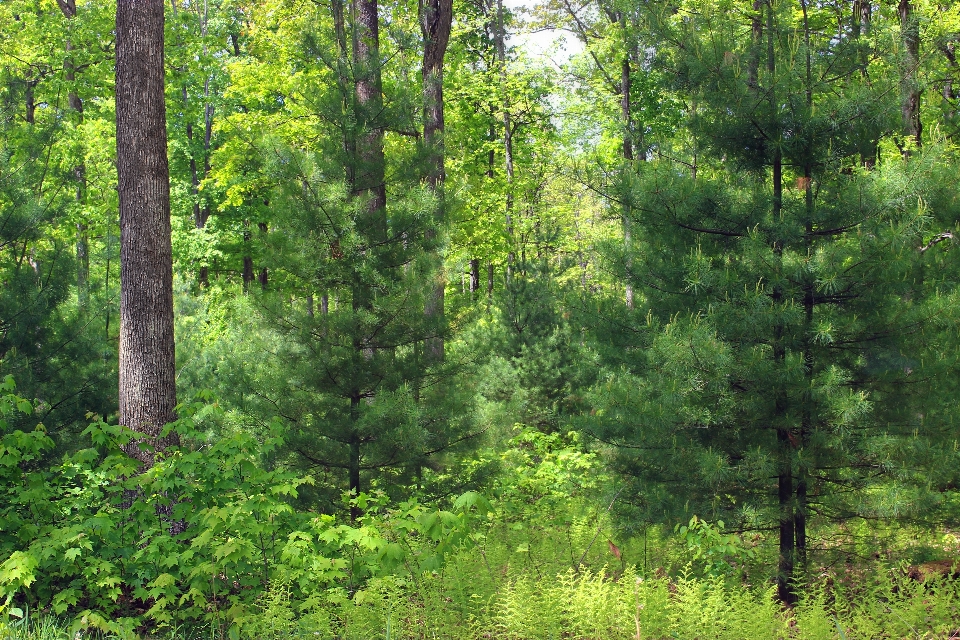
<point>715,551</point>
<point>74,541</point>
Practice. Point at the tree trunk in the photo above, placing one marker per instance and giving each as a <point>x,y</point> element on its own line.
<point>80,171</point>
<point>756,41</point>
<point>262,276</point>
<point>474,277</point>
<point>500,36</point>
<point>247,273</point>
<point>436,17</point>
<point>627,124</point>
<point>861,24</point>
<point>489,282</point>
<point>949,95</point>
<point>909,89</point>
<point>147,367</point>
<point>806,413</point>
<point>369,180</point>
<point>30,106</point>
<point>780,417</point>
<point>354,459</point>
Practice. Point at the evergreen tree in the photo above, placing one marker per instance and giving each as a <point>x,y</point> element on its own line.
<point>54,344</point>
<point>352,270</point>
<point>783,288</point>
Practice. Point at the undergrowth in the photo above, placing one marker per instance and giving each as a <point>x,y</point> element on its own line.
<point>586,606</point>
<point>537,560</point>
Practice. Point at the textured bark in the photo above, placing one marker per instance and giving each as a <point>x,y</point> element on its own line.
<point>147,375</point>
<point>247,273</point>
<point>262,277</point>
<point>30,104</point>
<point>474,277</point>
<point>500,36</point>
<point>909,89</point>
<point>756,37</point>
<point>369,181</point>
<point>627,123</point>
<point>949,93</point>
<point>436,17</point>
<point>785,492</point>
<point>806,411</point>
<point>68,7</point>
<point>862,21</point>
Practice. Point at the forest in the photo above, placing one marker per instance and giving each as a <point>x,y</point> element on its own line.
<point>373,319</point>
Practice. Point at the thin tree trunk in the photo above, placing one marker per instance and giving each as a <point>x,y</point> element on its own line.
<point>807,410</point>
<point>369,181</point>
<point>30,106</point>
<point>785,494</point>
<point>354,459</point>
<point>474,277</point>
<point>949,95</point>
<point>489,282</point>
<point>861,24</point>
<point>247,274</point>
<point>69,10</point>
<point>80,171</point>
<point>500,37</point>
<point>147,390</point>
<point>366,175</point>
<point>262,277</point>
<point>627,124</point>
<point>756,41</point>
<point>909,88</point>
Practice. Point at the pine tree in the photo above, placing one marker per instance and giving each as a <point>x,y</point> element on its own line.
<point>781,284</point>
<point>349,376</point>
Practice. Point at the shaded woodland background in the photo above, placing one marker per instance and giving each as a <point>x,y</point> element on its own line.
<point>705,267</point>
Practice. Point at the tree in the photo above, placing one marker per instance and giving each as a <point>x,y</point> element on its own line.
<point>333,130</point>
<point>55,345</point>
<point>436,18</point>
<point>147,367</point>
<point>782,284</point>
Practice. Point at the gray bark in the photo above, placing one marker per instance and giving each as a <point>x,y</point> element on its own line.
<point>436,18</point>
<point>147,368</point>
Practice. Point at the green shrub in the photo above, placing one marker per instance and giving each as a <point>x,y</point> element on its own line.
<point>70,544</point>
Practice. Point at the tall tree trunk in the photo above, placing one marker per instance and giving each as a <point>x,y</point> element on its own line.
<point>247,273</point>
<point>474,278</point>
<point>756,42</point>
<point>500,37</point>
<point>30,106</point>
<point>862,20</point>
<point>369,181</point>
<point>807,409</point>
<point>436,17</point>
<point>80,171</point>
<point>627,124</point>
<point>366,175</point>
<point>262,276</point>
<point>909,88</point>
<point>949,94</point>
<point>147,369</point>
<point>354,460</point>
<point>780,417</point>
